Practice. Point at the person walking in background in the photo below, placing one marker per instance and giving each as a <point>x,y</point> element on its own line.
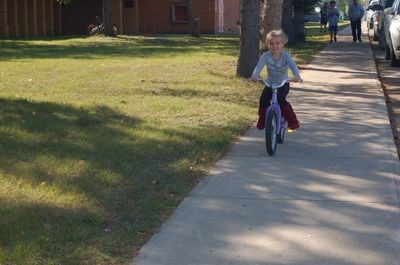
<point>356,12</point>
<point>333,20</point>
<point>323,13</point>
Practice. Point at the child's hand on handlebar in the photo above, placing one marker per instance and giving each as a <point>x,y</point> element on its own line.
<point>297,79</point>
<point>253,78</point>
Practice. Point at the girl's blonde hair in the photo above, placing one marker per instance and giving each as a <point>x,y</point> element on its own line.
<point>277,33</point>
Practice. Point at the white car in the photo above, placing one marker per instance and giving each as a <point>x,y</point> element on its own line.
<point>370,13</point>
<point>391,24</point>
<point>375,15</point>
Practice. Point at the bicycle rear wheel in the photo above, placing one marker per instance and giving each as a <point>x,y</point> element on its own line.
<point>270,132</point>
<point>90,28</point>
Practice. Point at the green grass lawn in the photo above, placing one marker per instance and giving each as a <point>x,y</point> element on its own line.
<point>101,138</point>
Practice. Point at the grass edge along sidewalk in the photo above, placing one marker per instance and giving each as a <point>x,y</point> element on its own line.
<point>101,138</point>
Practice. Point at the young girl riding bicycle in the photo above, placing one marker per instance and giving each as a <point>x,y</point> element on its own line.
<point>277,62</point>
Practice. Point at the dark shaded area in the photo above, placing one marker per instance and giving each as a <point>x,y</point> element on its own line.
<point>78,15</point>
<point>162,46</point>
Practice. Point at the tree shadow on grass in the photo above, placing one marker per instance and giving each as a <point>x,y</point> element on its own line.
<point>89,185</point>
<point>98,48</point>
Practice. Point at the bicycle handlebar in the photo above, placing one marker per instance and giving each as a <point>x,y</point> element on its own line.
<point>275,86</point>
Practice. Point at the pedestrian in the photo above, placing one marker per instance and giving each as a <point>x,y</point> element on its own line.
<point>333,20</point>
<point>356,12</point>
<point>323,14</point>
<point>277,61</point>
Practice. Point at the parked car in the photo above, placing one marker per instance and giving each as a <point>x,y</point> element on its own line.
<point>375,9</point>
<point>391,27</point>
<point>370,13</point>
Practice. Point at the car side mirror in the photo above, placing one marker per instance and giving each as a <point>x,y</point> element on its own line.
<point>389,11</point>
<point>375,7</point>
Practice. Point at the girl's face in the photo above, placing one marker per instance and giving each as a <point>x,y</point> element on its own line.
<point>275,45</point>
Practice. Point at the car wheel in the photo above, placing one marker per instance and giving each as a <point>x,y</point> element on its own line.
<point>387,52</point>
<point>381,40</point>
<point>393,60</point>
<point>376,34</point>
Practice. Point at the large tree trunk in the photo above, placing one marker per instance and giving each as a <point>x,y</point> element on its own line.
<point>193,22</point>
<point>271,16</point>
<point>25,18</point>
<point>287,20</point>
<point>5,32</point>
<point>300,7</point>
<point>298,19</point>
<point>41,17</point>
<point>107,18</point>
<point>15,18</point>
<point>249,37</point>
<point>49,13</point>
<point>35,18</point>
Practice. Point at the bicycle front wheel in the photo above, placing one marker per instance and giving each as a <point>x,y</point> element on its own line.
<point>270,132</point>
<point>281,134</point>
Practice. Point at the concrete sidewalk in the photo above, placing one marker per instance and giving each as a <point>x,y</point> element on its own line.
<point>330,195</point>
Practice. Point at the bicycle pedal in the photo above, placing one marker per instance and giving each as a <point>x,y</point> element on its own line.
<point>291,131</point>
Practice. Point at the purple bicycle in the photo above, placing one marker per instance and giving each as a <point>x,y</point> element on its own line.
<point>275,123</point>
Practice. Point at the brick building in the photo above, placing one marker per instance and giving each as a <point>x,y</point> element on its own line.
<point>23,18</point>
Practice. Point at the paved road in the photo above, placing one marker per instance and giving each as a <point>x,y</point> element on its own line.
<point>329,196</point>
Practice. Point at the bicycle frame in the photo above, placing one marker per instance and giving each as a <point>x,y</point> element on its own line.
<point>274,100</point>
<point>275,125</point>
<point>276,107</point>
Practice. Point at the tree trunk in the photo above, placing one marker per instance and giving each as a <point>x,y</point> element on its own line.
<point>57,19</point>
<point>287,20</point>
<point>249,37</point>
<point>5,32</point>
<point>35,18</point>
<point>25,15</point>
<point>107,18</point>
<point>271,16</point>
<point>300,9</point>
<point>16,19</point>
<point>193,22</point>
<point>299,25</point>
<point>42,17</point>
<point>50,14</point>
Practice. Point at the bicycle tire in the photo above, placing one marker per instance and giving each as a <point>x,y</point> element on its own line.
<point>387,52</point>
<point>96,30</point>
<point>90,28</point>
<point>282,133</point>
<point>270,132</point>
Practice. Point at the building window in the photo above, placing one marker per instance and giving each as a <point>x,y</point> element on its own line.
<point>180,13</point>
<point>128,3</point>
